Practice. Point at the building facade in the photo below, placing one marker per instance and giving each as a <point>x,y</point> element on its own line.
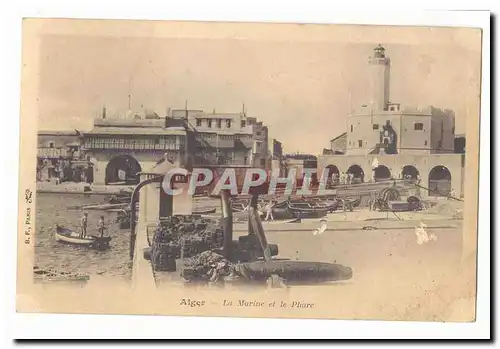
<point>385,140</point>
<point>299,163</point>
<point>225,138</point>
<point>278,163</point>
<point>120,149</point>
<point>59,156</point>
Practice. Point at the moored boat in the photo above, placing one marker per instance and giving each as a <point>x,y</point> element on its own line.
<point>304,209</point>
<point>203,211</point>
<point>69,236</point>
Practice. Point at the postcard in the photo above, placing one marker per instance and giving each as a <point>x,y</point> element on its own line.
<point>249,169</point>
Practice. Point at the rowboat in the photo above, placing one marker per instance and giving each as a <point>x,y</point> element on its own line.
<point>203,211</point>
<point>68,236</point>
<point>307,210</point>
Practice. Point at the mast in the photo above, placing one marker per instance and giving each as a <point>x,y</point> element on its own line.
<point>186,148</point>
<point>129,93</point>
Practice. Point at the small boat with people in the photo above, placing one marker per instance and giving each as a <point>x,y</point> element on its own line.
<point>69,236</point>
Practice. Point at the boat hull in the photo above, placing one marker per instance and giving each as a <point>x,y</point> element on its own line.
<point>295,272</point>
<point>68,236</point>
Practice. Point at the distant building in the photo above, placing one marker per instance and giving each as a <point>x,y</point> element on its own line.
<point>299,162</point>
<point>277,157</point>
<point>225,138</point>
<point>338,145</point>
<point>59,156</point>
<point>385,140</point>
<point>120,148</point>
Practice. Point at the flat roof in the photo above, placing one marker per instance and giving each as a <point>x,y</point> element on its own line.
<point>58,133</point>
<point>147,131</point>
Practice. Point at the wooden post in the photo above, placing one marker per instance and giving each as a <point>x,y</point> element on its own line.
<point>227,223</point>
<point>253,204</point>
<point>256,226</point>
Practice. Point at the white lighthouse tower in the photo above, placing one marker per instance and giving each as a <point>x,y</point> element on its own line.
<point>379,79</point>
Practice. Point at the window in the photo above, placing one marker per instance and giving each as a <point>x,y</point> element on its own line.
<point>425,143</point>
<point>419,126</point>
<point>51,144</point>
<point>360,143</point>
<point>351,128</point>
<point>219,123</point>
<point>198,122</point>
<point>228,123</point>
<point>258,133</point>
<point>209,123</point>
<point>393,108</point>
<point>388,122</point>
<point>375,126</point>
<point>243,123</point>
<point>262,162</point>
<point>440,144</point>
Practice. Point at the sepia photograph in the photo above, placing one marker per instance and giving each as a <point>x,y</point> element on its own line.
<point>282,170</point>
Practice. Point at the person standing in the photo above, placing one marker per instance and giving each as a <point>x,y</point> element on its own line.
<point>100,226</point>
<point>344,208</point>
<point>269,209</point>
<point>83,225</point>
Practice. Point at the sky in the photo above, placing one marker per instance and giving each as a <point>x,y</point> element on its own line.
<point>300,80</point>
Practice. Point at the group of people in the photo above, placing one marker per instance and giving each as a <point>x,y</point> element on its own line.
<point>84,224</point>
<point>409,177</point>
<point>268,210</point>
<point>342,178</point>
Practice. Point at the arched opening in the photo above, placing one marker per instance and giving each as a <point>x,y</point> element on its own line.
<point>382,173</point>
<point>358,174</point>
<point>122,169</point>
<point>333,175</point>
<point>439,181</point>
<point>410,172</point>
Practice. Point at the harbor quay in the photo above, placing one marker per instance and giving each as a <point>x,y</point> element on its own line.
<point>391,228</point>
<point>391,271</point>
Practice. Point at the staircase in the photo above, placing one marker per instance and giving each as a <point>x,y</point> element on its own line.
<point>378,150</point>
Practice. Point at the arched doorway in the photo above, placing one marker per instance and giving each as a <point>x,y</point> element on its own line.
<point>439,181</point>
<point>409,172</point>
<point>122,169</point>
<point>382,173</point>
<point>357,171</point>
<point>333,175</point>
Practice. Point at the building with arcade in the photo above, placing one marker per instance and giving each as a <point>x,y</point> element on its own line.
<point>121,148</point>
<point>386,140</point>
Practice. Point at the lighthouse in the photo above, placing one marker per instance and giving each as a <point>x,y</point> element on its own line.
<point>379,79</point>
